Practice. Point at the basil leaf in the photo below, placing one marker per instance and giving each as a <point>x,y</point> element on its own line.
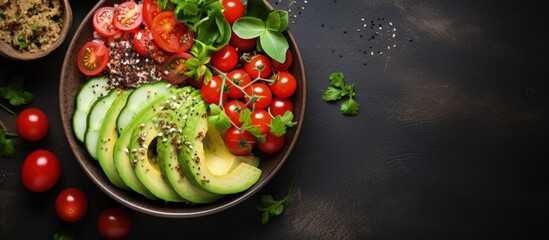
<point>273,22</point>
<point>248,27</point>
<point>282,20</point>
<point>274,44</point>
<point>258,9</point>
<point>224,30</point>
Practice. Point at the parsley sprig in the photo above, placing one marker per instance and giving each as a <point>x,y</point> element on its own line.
<point>339,89</point>
<point>7,147</point>
<point>271,207</point>
<point>15,93</point>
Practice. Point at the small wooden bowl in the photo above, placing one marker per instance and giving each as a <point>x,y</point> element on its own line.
<point>10,52</point>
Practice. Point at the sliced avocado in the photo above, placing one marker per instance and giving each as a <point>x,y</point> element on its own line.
<point>108,135</point>
<point>144,156</point>
<point>195,165</point>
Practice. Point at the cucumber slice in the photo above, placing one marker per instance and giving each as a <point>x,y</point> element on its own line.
<point>95,121</point>
<point>92,90</point>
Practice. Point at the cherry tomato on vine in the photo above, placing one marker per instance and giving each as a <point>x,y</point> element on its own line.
<point>145,45</point>
<point>233,109</point>
<point>114,223</point>
<point>211,91</point>
<point>261,119</point>
<point>174,67</point>
<point>242,44</point>
<point>277,67</point>
<point>71,204</point>
<point>279,106</point>
<point>103,22</point>
<point>258,66</point>
<point>225,59</point>
<point>239,142</point>
<point>284,84</point>
<point>128,16</point>
<point>32,124</point>
<point>171,35</point>
<point>261,96</point>
<point>239,78</point>
<point>234,9</point>
<point>41,171</point>
<point>150,10</point>
<point>93,57</point>
<point>272,143</point>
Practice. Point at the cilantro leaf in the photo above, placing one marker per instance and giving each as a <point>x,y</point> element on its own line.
<point>339,89</point>
<point>279,123</point>
<point>332,94</point>
<point>7,148</point>
<point>337,79</point>
<point>271,207</point>
<point>246,120</point>
<point>349,107</point>
<point>15,93</point>
<point>218,118</point>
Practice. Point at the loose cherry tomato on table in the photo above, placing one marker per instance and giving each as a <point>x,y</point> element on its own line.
<point>174,67</point>
<point>171,35</point>
<point>146,46</point>
<point>233,109</point>
<point>225,59</point>
<point>41,171</point>
<point>277,67</point>
<point>103,22</point>
<point>234,9</point>
<point>114,223</point>
<point>242,44</point>
<point>128,16</point>
<point>150,10</point>
<point>279,106</point>
<point>261,119</point>
<point>259,65</point>
<point>284,84</point>
<point>272,143</point>
<point>239,142</point>
<point>260,94</point>
<point>239,78</point>
<point>71,204</point>
<point>32,124</point>
<point>93,57</point>
<point>211,91</point>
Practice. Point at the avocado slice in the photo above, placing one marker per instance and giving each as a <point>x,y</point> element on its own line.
<point>195,165</point>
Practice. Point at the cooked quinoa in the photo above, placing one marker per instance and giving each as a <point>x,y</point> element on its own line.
<point>30,25</point>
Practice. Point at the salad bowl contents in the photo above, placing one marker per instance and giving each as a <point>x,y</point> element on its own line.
<point>180,113</point>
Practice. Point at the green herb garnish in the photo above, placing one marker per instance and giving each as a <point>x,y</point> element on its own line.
<point>7,148</point>
<point>15,93</point>
<point>339,89</point>
<point>22,41</point>
<point>35,26</point>
<point>279,123</point>
<point>271,207</point>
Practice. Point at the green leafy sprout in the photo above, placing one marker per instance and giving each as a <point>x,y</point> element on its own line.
<point>271,207</point>
<point>339,89</point>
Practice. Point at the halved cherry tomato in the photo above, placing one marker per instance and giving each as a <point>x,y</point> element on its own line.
<point>239,78</point>
<point>242,44</point>
<point>93,57</point>
<point>174,68</point>
<point>272,143</point>
<point>260,94</point>
<point>71,204</point>
<point>146,46</point>
<point>150,10</point>
<point>261,119</point>
<point>171,35</point>
<point>225,59</point>
<point>239,142</point>
<point>278,67</point>
<point>234,109</point>
<point>284,84</point>
<point>128,16</point>
<point>211,91</point>
<point>279,106</point>
<point>103,22</point>
<point>259,66</point>
<point>234,9</point>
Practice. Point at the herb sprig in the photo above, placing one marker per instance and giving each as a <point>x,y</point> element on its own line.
<point>15,93</point>
<point>271,207</point>
<point>339,89</point>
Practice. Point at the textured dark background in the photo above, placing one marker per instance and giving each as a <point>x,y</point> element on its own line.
<point>450,141</point>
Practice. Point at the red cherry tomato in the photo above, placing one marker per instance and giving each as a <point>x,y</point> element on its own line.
<point>272,143</point>
<point>128,16</point>
<point>242,44</point>
<point>261,96</point>
<point>284,84</point>
<point>234,9</point>
<point>71,204</point>
<point>114,223</point>
<point>150,10</point>
<point>171,35</point>
<point>211,91</point>
<point>239,78</point>
<point>225,59</point>
<point>93,57</point>
<point>146,46</point>
<point>279,106</point>
<point>103,22</point>
<point>259,66</point>
<point>175,68</point>
<point>277,67</point>
<point>239,142</point>
<point>234,109</point>
<point>261,119</point>
<point>41,171</point>
<point>32,124</point>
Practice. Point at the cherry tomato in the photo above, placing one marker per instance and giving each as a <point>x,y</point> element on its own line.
<point>150,10</point>
<point>279,106</point>
<point>128,16</point>
<point>41,171</point>
<point>103,22</point>
<point>175,68</point>
<point>93,57</point>
<point>259,66</point>
<point>114,223</point>
<point>239,142</point>
<point>171,35</point>
<point>284,84</point>
<point>243,44</point>
<point>32,124</point>
<point>211,91</point>
<point>239,78</point>
<point>234,9</point>
<point>260,94</point>
<point>277,67</point>
<point>272,144</point>
<point>146,46</point>
<point>71,204</point>
<point>234,109</point>
<point>261,119</point>
<point>225,59</point>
